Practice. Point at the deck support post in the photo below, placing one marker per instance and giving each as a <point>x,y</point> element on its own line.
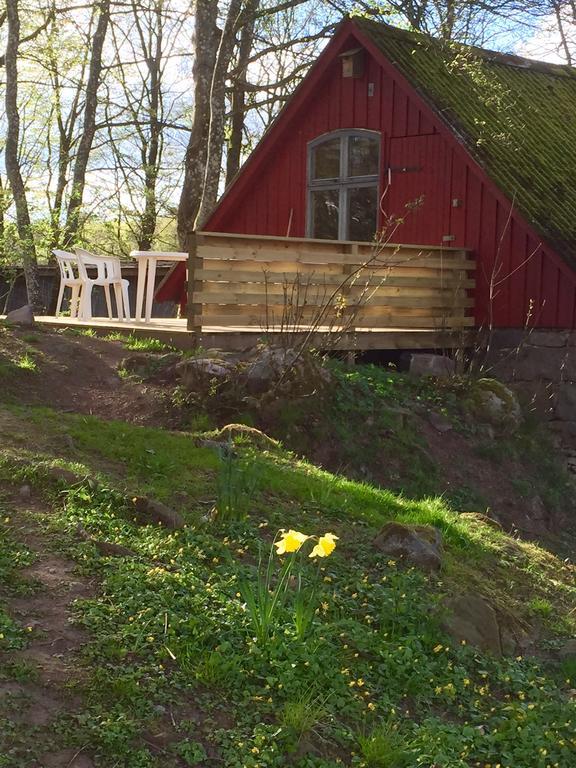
<point>194,310</point>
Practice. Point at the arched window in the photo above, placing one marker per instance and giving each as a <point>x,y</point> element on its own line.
<point>343,175</point>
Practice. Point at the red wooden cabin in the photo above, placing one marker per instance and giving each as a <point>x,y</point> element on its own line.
<point>485,142</point>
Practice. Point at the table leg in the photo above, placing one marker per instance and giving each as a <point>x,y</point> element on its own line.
<point>142,263</point>
<point>150,283</point>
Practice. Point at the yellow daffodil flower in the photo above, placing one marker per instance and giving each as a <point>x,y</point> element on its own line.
<point>290,541</point>
<point>326,545</point>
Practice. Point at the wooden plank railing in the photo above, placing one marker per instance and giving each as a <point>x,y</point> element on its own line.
<point>277,283</point>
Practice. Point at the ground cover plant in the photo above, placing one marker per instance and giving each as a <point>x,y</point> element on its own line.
<point>175,673</point>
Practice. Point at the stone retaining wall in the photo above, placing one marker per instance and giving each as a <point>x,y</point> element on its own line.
<point>541,367</point>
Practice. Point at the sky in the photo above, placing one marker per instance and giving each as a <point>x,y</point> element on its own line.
<point>543,43</point>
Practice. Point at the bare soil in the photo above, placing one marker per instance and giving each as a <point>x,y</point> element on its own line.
<point>52,652</point>
<point>79,374</point>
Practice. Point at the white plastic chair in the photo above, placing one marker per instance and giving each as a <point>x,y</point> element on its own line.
<point>69,278</point>
<point>109,273</point>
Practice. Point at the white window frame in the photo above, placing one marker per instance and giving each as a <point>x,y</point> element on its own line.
<point>344,182</point>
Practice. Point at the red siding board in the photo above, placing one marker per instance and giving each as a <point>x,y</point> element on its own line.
<point>517,274</point>
<point>549,313</point>
<point>399,111</point>
<point>458,177</point>
<point>360,103</point>
<point>425,125</point>
<point>502,251</point>
<point>373,103</point>
<point>534,301</point>
<point>413,120</point>
<point>274,183</point>
<point>565,303</point>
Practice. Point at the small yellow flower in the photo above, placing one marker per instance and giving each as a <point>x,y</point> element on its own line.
<point>290,541</point>
<point>326,545</point>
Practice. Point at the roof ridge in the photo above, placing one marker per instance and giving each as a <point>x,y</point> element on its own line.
<point>499,57</point>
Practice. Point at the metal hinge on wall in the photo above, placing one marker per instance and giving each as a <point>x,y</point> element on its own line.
<point>404,168</point>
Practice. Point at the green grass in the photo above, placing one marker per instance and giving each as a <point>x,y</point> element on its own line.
<point>26,363</point>
<point>140,343</point>
<point>12,557</point>
<point>376,682</point>
<point>384,747</point>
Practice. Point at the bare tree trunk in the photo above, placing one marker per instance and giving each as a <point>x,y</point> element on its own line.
<point>217,122</point>
<point>23,223</point>
<point>66,128</point>
<point>89,126</point>
<point>206,40</point>
<point>238,111</point>
<point>2,212</point>
<point>151,150</point>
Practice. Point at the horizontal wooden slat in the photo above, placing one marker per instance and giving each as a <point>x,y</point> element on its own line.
<point>214,273</point>
<point>415,259</point>
<point>291,242</point>
<point>336,270</point>
<point>321,292</point>
<point>393,321</point>
<point>392,301</point>
<point>311,309</point>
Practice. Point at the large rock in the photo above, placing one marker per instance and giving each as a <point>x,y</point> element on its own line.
<point>568,650</point>
<point>419,545</point>
<point>472,620</point>
<point>543,338</point>
<point>21,316</point>
<point>298,372</point>
<point>491,402</point>
<point>145,364</point>
<point>566,402</point>
<point>268,367</point>
<point>151,511</point>
<point>197,371</point>
<point>539,397</point>
<point>537,364</point>
<point>424,364</point>
<point>440,422</point>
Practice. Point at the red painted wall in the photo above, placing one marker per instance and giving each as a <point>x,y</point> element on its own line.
<point>459,200</point>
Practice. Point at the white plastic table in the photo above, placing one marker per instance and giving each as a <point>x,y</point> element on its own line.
<point>147,262</point>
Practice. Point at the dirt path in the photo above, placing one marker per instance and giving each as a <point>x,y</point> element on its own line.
<point>78,374</point>
<point>38,686</point>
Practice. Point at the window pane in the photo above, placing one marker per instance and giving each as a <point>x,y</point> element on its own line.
<point>362,206</point>
<point>326,160</point>
<point>363,153</point>
<point>325,204</point>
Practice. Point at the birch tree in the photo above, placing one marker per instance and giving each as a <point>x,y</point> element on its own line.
<point>89,124</point>
<point>26,245</point>
<point>205,45</point>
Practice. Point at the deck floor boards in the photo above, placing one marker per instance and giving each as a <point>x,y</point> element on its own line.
<point>174,331</point>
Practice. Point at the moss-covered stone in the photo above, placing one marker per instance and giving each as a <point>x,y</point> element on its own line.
<point>491,402</point>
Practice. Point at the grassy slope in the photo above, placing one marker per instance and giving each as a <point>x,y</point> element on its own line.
<point>375,683</point>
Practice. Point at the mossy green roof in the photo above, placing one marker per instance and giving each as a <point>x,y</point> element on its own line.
<point>516,116</point>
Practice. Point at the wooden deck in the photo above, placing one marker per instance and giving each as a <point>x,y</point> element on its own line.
<point>331,294</point>
<point>175,332</point>
<point>252,281</point>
